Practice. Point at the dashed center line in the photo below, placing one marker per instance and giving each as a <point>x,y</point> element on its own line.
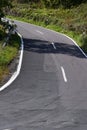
<point>64,75</point>
<point>54,46</point>
<point>7,129</point>
<point>40,32</point>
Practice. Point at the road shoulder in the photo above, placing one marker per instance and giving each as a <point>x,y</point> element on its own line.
<point>14,67</point>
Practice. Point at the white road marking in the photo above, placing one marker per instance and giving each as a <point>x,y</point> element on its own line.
<point>17,72</point>
<point>40,32</point>
<point>71,40</point>
<point>76,45</point>
<point>7,129</point>
<point>64,75</point>
<point>54,46</point>
<point>58,34</point>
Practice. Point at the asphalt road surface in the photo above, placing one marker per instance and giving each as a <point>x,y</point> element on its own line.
<point>51,91</point>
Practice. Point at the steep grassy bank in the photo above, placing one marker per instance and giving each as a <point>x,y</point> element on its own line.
<point>8,53</point>
<point>72,22</point>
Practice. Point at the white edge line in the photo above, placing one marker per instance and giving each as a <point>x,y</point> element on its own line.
<point>54,46</point>
<point>61,34</point>
<point>76,45</point>
<point>64,75</point>
<point>17,72</point>
<point>70,39</point>
<point>58,33</point>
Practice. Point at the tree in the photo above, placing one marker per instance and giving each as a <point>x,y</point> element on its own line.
<point>64,3</point>
<point>71,3</point>
<point>4,4</point>
<point>27,1</point>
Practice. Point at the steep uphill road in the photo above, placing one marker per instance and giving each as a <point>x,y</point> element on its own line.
<point>51,91</point>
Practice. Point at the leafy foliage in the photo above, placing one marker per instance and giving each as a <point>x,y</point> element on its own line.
<point>70,21</point>
<point>7,55</point>
<point>4,4</point>
<point>54,3</point>
<point>2,33</point>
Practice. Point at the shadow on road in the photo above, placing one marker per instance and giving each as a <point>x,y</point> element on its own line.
<point>41,46</point>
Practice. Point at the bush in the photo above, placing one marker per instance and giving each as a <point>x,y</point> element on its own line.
<point>84,42</point>
<point>14,41</point>
<point>2,34</point>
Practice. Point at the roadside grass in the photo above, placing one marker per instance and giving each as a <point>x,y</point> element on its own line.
<point>77,37</point>
<point>7,54</point>
<point>2,33</point>
<point>72,22</point>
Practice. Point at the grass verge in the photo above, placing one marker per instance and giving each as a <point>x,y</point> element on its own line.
<point>7,55</point>
<point>72,22</point>
<point>78,37</point>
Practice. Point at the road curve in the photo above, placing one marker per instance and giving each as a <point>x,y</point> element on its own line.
<point>51,91</point>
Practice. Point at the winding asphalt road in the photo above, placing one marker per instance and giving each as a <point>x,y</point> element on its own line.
<point>51,91</point>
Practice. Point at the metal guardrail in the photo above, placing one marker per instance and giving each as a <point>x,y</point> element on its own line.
<point>10,27</point>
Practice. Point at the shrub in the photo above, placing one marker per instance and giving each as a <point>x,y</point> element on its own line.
<point>84,42</point>
<point>1,32</point>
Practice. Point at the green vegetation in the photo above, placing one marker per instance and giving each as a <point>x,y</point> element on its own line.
<point>4,4</point>
<point>66,16</point>
<point>72,22</point>
<point>53,3</point>
<point>2,34</point>
<point>10,50</point>
<point>8,53</point>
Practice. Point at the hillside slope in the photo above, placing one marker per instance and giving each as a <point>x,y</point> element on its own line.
<point>69,21</point>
